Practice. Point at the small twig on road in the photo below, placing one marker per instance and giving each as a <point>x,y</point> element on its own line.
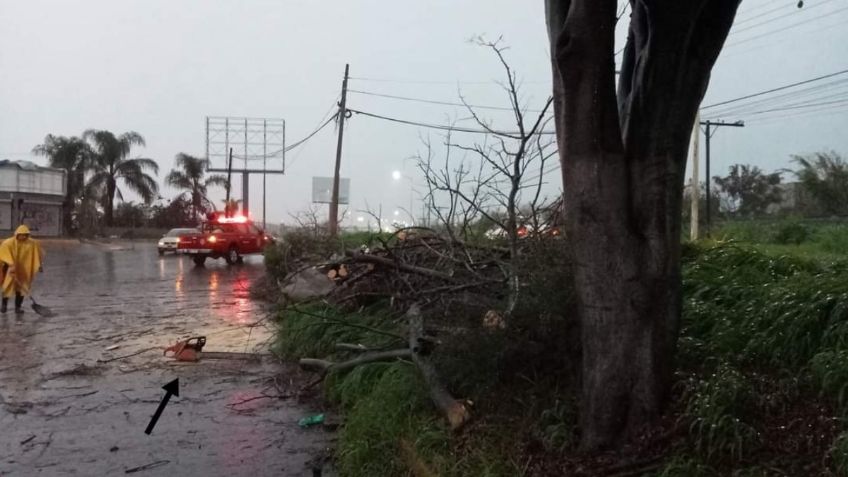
<point>256,398</point>
<point>28,439</point>
<point>46,445</point>
<point>152,465</point>
<point>128,355</point>
<point>77,395</point>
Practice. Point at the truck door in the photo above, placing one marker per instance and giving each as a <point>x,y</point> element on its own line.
<point>247,239</point>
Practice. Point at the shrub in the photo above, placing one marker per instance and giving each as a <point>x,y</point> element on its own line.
<point>792,233</point>
<point>719,408</point>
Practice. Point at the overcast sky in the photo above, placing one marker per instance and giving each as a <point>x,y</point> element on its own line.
<point>159,67</point>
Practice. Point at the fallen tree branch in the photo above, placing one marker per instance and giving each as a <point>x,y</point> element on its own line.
<point>327,366</point>
<point>377,260</point>
<point>456,412</point>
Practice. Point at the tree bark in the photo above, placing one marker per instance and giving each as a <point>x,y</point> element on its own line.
<point>111,187</point>
<point>623,160</point>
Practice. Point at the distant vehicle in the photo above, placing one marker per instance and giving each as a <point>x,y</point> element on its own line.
<point>230,238</point>
<point>523,231</point>
<point>169,241</point>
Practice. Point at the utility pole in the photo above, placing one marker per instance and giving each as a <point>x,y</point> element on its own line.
<point>229,184</point>
<point>709,134</point>
<point>334,202</point>
<point>696,183</point>
<point>245,178</point>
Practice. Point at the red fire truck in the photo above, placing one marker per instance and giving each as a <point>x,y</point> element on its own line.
<point>227,237</point>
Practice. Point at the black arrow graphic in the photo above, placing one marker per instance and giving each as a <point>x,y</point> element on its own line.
<point>171,388</point>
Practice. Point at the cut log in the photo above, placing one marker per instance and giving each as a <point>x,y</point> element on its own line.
<point>456,412</point>
<point>332,274</point>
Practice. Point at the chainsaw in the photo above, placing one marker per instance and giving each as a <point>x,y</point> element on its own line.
<point>187,350</point>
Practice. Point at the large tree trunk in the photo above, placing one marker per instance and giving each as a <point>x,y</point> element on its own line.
<point>623,161</point>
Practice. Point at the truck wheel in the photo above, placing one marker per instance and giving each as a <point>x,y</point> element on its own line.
<point>232,255</point>
<point>199,260</point>
<point>161,252</point>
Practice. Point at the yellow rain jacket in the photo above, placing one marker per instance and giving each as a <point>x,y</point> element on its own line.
<point>23,258</point>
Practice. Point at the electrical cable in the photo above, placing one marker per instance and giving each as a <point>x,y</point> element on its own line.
<point>794,12</point>
<point>773,90</point>
<point>788,27</point>
<point>816,92</point>
<point>442,127</point>
<point>442,103</point>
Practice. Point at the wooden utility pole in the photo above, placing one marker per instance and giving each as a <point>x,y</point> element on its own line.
<point>695,195</point>
<point>708,134</point>
<point>334,201</point>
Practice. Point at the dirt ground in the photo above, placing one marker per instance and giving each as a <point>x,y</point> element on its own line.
<point>65,412</point>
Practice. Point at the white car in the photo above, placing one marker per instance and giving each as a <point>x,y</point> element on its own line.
<point>170,241</point>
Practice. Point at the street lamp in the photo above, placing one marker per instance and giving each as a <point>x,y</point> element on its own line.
<point>397,176</point>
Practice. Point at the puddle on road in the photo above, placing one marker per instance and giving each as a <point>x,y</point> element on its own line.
<point>62,412</point>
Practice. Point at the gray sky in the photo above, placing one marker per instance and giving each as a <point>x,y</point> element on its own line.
<point>160,67</point>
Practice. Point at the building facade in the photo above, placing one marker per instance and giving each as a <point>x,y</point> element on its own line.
<point>31,195</point>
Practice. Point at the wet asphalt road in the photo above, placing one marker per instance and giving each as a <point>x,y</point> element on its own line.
<point>64,413</point>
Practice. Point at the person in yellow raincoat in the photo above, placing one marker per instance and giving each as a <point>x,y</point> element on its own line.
<point>21,258</point>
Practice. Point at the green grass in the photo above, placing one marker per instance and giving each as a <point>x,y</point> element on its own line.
<point>761,332</point>
<point>822,240</point>
<point>385,404</point>
<point>314,330</point>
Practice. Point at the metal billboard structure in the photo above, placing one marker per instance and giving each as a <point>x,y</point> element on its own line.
<point>246,146</point>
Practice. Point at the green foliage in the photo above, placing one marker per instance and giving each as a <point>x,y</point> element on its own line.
<point>386,405</point>
<point>830,369</point>
<point>839,454</point>
<point>825,176</point>
<point>110,165</point>
<point>386,402</point>
<point>792,233</point>
<point>314,330</point>
<point>191,178</point>
<point>749,191</point>
<point>755,326</point>
<point>682,466</point>
<point>718,408</point>
<point>557,425</point>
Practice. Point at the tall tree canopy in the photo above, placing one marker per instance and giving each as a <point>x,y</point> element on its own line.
<point>73,155</point>
<point>825,176</point>
<point>623,161</point>
<point>748,190</point>
<point>111,163</point>
<point>190,177</point>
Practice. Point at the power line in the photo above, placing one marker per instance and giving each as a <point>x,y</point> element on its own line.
<point>816,92</point>
<point>298,143</point>
<point>457,82</point>
<point>780,17</point>
<point>287,148</point>
<point>438,102</point>
<point>442,127</point>
<point>781,88</point>
<point>788,27</point>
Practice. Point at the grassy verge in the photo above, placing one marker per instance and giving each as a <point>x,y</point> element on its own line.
<point>390,424</point>
<point>761,387</point>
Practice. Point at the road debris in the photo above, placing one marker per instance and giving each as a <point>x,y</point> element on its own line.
<point>309,421</point>
<point>152,465</point>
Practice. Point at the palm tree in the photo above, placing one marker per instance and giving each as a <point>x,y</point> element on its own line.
<point>110,163</point>
<point>191,179</point>
<point>74,156</point>
<point>231,208</point>
<point>825,176</point>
